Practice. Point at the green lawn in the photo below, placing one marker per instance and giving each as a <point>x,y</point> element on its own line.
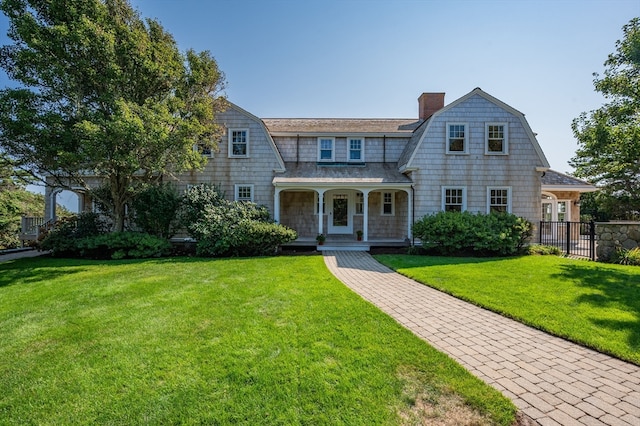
<point>192,341</point>
<point>595,304</point>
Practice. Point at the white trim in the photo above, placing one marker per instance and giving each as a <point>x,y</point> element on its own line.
<point>444,196</point>
<point>230,132</point>
<point>362,145</point>
<point>465,142</point>
<point>509,196</point>
<point>505,139</point>
<point>236,191</point>
<point>333,149</point>
<point>393,203</point>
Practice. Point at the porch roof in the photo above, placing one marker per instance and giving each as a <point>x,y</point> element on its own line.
<point>370,175</point>
<point>556,181</point>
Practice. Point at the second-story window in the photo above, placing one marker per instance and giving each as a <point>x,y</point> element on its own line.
<point>497,141</point>
<point>326,150</point>
<point>238,143</point>
<point>457,138</point>
<point>356,149</point>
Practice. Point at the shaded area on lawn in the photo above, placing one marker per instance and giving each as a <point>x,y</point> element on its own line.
<point>617,288</point>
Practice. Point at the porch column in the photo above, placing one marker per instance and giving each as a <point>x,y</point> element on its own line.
<point>320,215</point>
<point>410,212</point>
<point>276,205</point>
<point>53,202</point>
<point>365,215</point>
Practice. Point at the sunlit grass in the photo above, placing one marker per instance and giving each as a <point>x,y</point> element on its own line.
<point>243,341</point>
<point>591,303</point>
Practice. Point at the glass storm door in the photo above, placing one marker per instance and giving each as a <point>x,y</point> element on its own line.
<point>339,215</point>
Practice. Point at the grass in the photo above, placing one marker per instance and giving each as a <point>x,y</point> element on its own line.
<point>595,304</point>
<point>235,341</point>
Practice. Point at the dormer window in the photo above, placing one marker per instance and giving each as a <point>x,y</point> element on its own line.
<point>326,149</point>
<point>356,149</point>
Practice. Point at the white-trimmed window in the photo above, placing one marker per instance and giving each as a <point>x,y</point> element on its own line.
<point>326,149</point>
<point>388,204</point>
<point>457,138</point>
<point>359,203</point>
<point>356,149</point>
<point>454,199</point>
<point>244,192</point>
<point>238,143</point>
<point>499,199</point>
<point>497,138</point>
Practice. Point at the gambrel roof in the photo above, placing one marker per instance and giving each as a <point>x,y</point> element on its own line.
<point>406,159</point>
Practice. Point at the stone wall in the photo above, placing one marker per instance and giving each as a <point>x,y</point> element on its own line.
<point>610,235</point>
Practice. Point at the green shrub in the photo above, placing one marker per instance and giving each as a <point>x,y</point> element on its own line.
<point>195,201</point>
<point>230,228</point>
<point>453,233</point>
<point>154,210</point>
<point>63,239</point>
<point>625,256</point>
<point>123,245</point>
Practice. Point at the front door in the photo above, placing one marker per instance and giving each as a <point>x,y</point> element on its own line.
<point>340,216</point>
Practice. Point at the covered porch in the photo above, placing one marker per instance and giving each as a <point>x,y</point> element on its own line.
<point>371,204</point>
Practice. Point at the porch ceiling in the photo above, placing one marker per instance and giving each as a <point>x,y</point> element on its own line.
<point>314,174</point>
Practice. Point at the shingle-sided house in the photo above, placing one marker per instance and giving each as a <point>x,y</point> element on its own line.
<point>340,176</point>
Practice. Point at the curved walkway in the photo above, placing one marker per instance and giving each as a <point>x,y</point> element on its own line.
<point>553,381</point>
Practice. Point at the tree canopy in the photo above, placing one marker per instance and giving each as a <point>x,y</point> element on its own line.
<point>104,93</point>
<point>609,137</point>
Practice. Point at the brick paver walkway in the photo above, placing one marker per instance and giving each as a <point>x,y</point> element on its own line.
<point>551,380</point>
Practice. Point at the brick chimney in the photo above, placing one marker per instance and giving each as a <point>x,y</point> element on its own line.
<point>428,103</point>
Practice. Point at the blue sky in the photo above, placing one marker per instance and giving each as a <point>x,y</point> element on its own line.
<point>357,58</point>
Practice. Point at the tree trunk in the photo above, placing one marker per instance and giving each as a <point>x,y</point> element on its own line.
<point>119,194</point>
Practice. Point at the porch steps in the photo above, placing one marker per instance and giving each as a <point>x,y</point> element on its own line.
<point>337,246</point>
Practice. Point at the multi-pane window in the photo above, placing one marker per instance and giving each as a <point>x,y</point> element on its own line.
<point>325,149</point>
<point>457,138</point>
<point>387,203</point>
<point>499,200</point>
<point>244,192</point>
<point>496,138</point>
<point>562,211</point>
<point>238,143</point>
<point>453,199</point>
<point>359,203</point>
<point>356,149</point>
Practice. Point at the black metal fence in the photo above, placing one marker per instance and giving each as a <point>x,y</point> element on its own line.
<point>573,238</point>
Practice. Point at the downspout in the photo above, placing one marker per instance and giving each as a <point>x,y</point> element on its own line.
<point>297,149</point>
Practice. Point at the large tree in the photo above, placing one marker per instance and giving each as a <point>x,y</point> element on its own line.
<point>102,92</point>
<point>609,137</point>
